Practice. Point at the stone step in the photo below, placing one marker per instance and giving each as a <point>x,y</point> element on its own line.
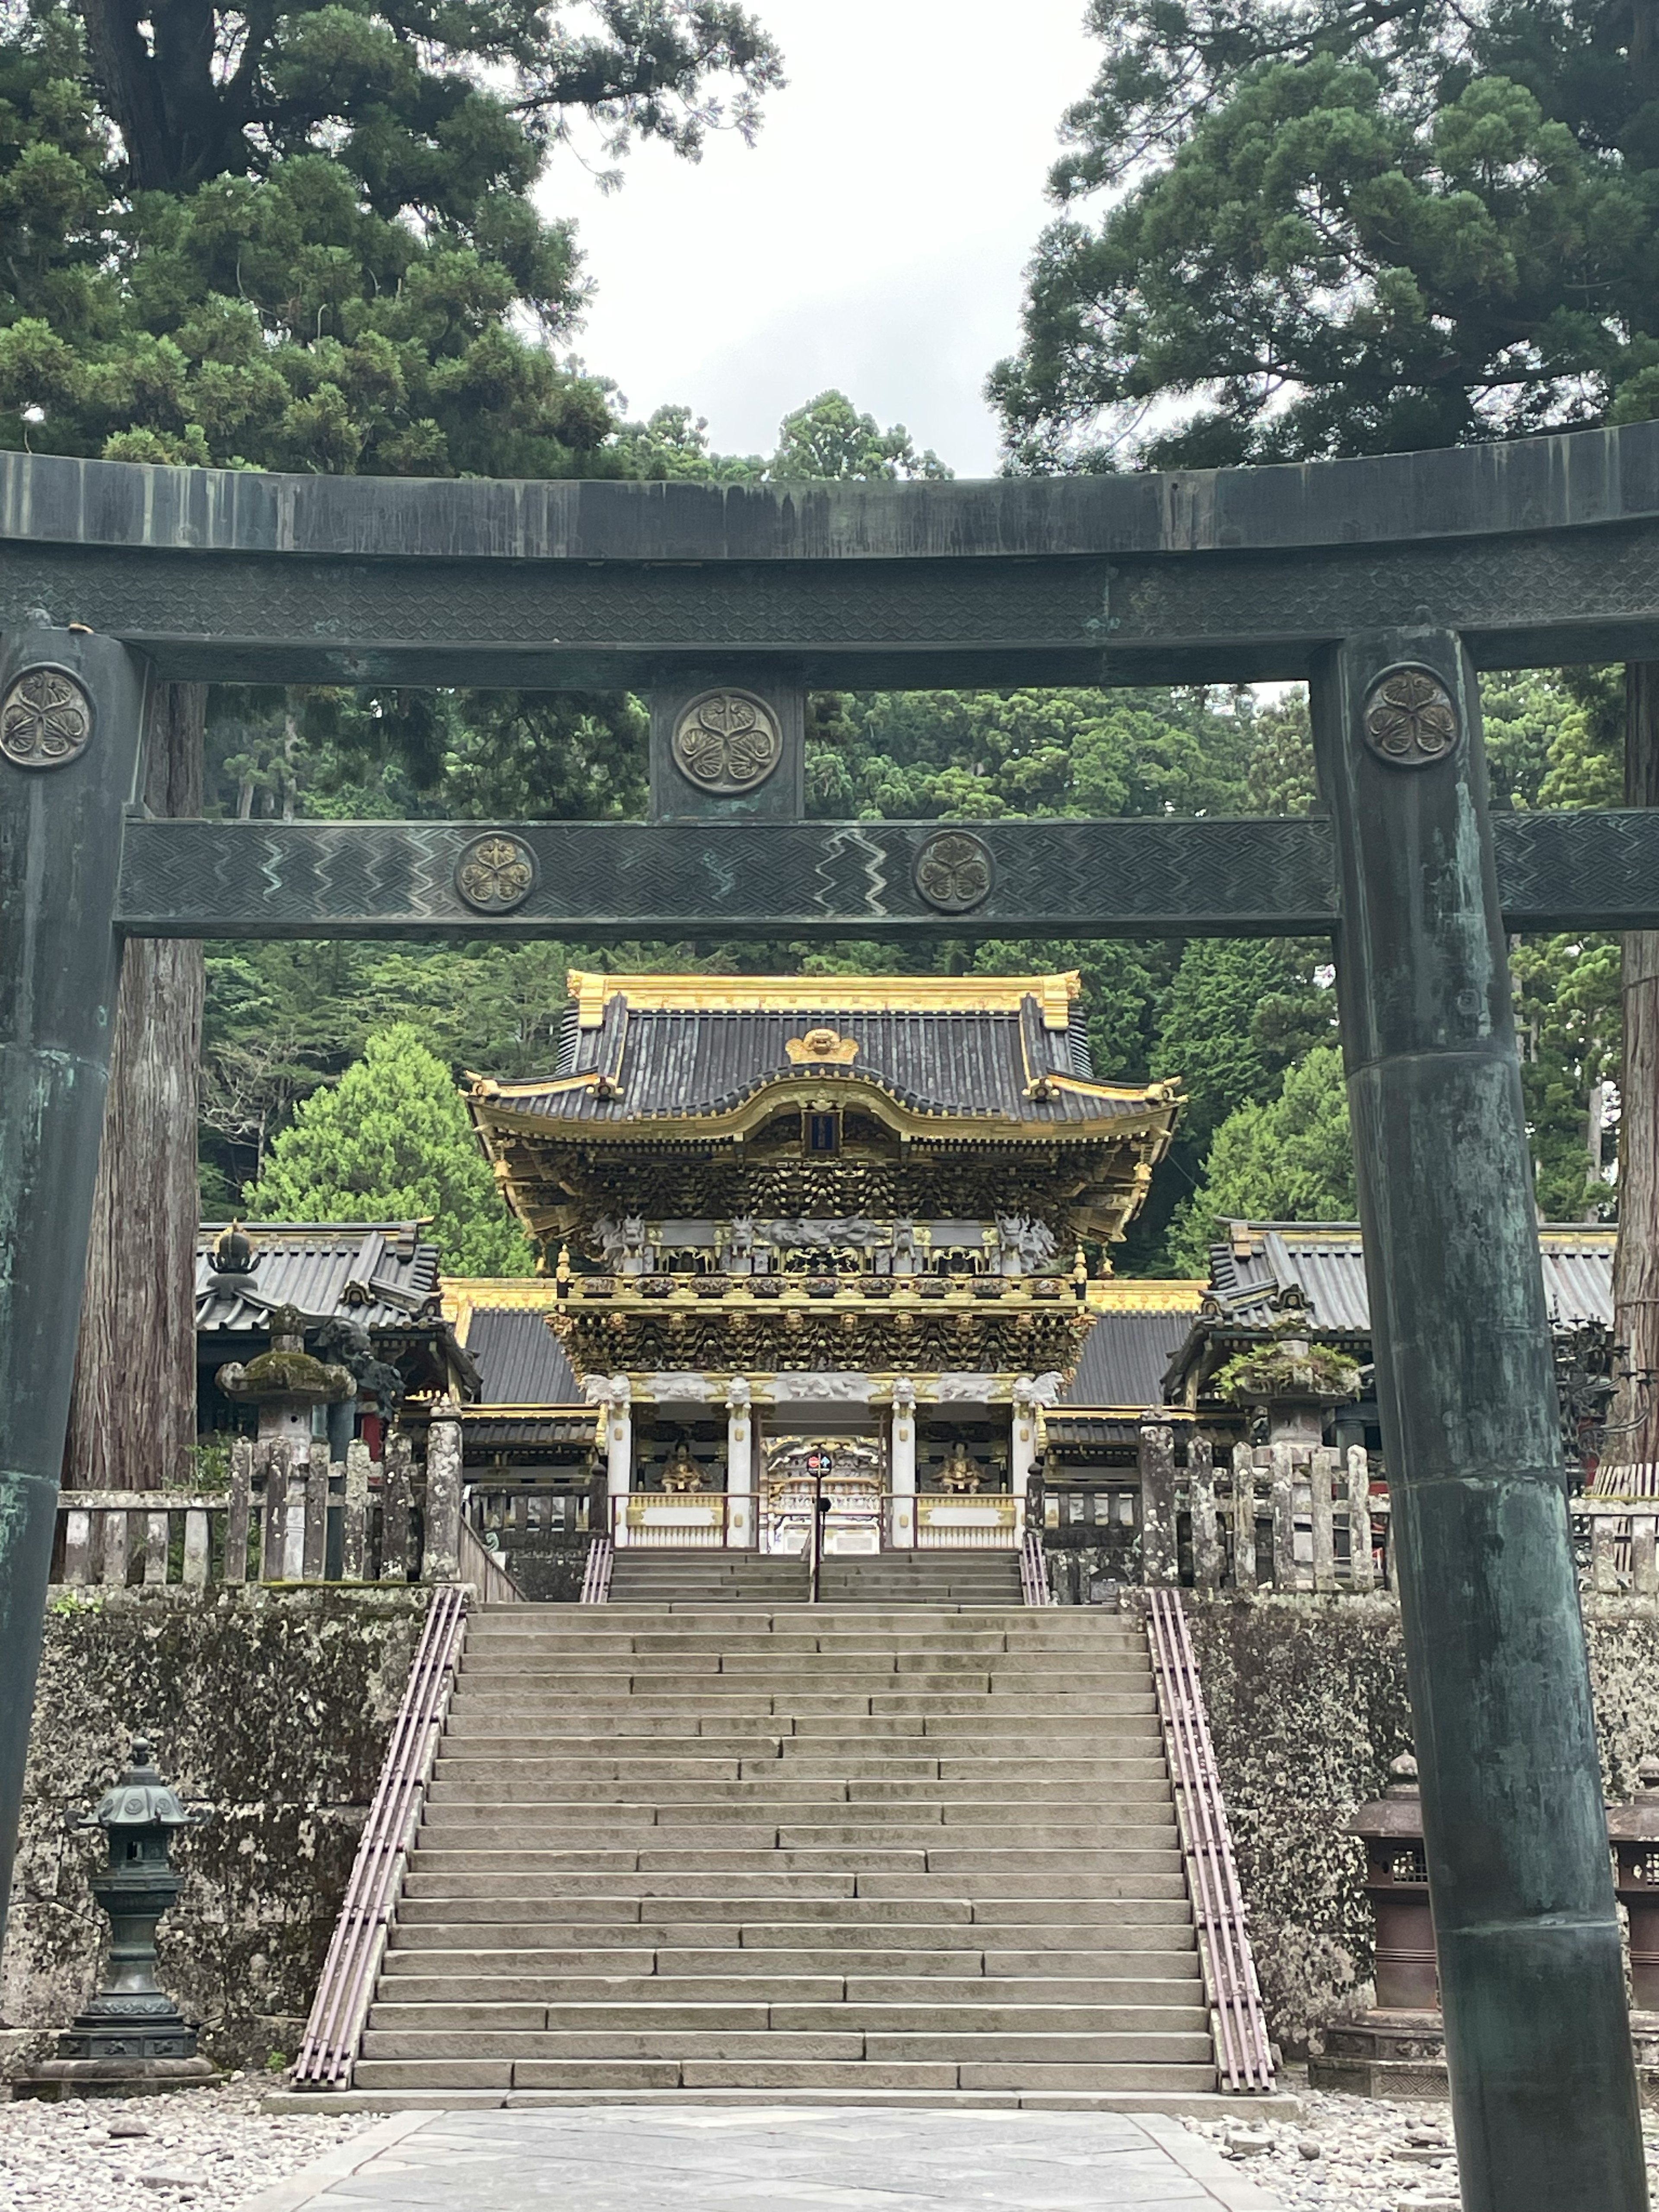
<point>932,1669</point>
<point>605,1634</point>
<point>460,2020</point>
<point>797,1620</point>
<point>741,1702</point>
<point>990,1733</point>
<point>1096,2047</point>
<point>784,1918</point>
<point>829,1734</point>
<point>483,1781</point>
<point>590,1629</point>
<point>793,1987</point>
<point>785,1759</point>
<point>1107,1896</point>
<point>852,1956</point>
<point>854,2081</point>
<point>864,1779</point>
<point>1064,1867</point>
<point>472,1828</point>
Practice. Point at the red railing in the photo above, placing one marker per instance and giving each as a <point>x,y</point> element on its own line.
<point>596,1580</point>
<point>1244,2053</point>
<point>340,2007</point>
<point>1033,1572</point>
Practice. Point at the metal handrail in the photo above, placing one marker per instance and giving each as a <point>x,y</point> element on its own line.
<point>595,1578</point>
<point>340,2008</point>
<point>1243,2051</point>
<point>1033,1572</point>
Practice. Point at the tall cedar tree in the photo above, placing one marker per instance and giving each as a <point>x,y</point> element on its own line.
<point>392,1141</point>
<point>295,238</point>
<point>1337,226</point>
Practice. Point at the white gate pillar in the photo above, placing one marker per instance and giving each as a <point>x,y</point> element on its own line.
<point>739,1465</point>
<point>618,1448</point>
<point>901,1470</point>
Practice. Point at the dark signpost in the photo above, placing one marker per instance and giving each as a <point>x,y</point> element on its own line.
<point>1390,582</point>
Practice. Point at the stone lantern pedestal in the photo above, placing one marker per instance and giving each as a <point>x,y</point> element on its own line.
<point>1397,2049</point>
<point>132,2041</point>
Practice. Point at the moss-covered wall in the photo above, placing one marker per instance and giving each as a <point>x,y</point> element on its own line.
<point>273,1705</point>
<point>1307,1704</point>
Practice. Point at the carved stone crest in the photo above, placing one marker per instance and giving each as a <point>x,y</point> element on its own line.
<point>954,871</point>
<point>46,719</point>
<point>727,742</point>
<point>495,872</point>
<point>1410,719</point>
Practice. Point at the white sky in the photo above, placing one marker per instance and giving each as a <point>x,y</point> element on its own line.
<point>873,239</point>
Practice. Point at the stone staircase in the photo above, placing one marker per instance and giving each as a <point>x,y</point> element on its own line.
<point>918,1854</point>
<point>675,1579</point>
<point>700,1578</point>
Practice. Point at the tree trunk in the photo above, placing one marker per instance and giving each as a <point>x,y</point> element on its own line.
<point>132,1419</point>
<point>1636,1266</point>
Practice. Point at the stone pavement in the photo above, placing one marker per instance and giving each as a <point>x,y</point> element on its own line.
<point>659,2159</point>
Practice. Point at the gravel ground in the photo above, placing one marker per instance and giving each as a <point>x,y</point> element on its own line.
<point>211,2149</point>
<point>1354,2154</point>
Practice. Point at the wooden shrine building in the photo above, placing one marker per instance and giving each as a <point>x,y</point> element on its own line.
<point>820,1235</point>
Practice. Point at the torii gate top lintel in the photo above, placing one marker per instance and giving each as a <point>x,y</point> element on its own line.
<point>1534,551</point>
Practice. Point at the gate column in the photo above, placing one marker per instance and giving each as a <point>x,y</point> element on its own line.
<point>71,712</point>
<point>1537,2037</point>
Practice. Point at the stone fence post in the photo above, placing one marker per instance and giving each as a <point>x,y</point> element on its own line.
<point>441,1562</point>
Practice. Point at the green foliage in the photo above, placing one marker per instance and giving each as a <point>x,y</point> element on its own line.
<point>825,441</point>
<point>325,256</point>
<point>209,1466</point>
<point>1339,229</point>
<point>1238,1014</point>
<point>392,1141</point>
<point>985,755</point>
<point>1291,1159</point>
<point>1273,1370</point>
<point>829,440</point>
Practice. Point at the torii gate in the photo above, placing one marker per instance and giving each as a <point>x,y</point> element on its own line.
<point>1387,582</point>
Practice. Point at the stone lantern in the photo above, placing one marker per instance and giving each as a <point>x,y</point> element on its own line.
<point>1397,2049</point>
<point>287,1381</point>
<point>1633,1831</point>
<point>1293,1380</point>
<point>132,2040</point>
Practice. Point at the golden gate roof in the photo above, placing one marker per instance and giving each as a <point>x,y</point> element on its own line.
<point>655,1049</point>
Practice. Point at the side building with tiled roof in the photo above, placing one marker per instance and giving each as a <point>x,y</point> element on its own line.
<point>377,1277</point>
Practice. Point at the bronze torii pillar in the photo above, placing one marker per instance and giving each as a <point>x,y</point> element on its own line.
<point>71,714</point>
<point>1543,2080</point>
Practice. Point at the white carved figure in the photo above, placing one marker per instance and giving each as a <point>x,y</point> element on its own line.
<point>635,1250</point>
<point>906,1251</point>
<point>1027,1245</point>
<point>608,1235</point>
<point>1037,1243</point>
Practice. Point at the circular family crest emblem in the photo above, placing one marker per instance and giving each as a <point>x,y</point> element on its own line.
<point>1410,718</point>
<point>954,871</point>
<point>46,719</point>
<point>496,873</point>
<point>727,742</point>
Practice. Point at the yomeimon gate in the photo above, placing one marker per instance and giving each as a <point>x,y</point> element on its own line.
<point>1389,583</point>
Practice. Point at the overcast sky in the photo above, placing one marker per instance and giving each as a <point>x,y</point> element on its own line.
<point>873,239</point>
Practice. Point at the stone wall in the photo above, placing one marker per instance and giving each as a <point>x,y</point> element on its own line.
<point>1308,1705</point>
<point>273,1705</point>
